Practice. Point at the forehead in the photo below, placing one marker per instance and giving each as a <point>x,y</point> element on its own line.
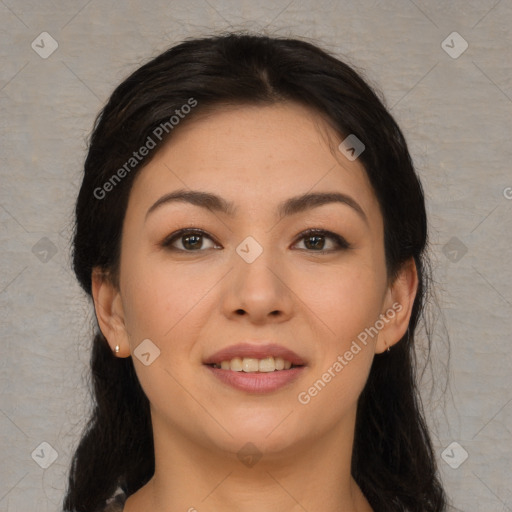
<point>255,156</point>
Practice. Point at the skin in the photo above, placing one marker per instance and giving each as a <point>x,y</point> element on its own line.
<point>192,304</point>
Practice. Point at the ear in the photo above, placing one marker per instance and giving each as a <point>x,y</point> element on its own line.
<point>398,304</point>
<point>109,312</point>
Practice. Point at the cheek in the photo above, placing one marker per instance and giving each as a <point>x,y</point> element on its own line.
<point>333,391</point>
<point>163,304</point>
<point>344,304</point>
<point>161,299</point>
<point>347,300</point>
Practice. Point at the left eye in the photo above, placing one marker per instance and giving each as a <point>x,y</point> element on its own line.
<point>192,240</point>
<point>316,237</point>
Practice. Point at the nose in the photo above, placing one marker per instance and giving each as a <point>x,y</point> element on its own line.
<point>260,290</point>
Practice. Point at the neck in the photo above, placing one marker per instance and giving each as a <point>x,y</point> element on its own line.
<point>190,477</point>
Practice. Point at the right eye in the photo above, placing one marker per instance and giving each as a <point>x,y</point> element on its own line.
<point>190,239</point>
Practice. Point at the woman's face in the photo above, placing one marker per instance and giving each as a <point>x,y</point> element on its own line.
<point>251,278</point>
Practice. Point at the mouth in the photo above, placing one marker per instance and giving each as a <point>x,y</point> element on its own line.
<point>253,365</point>
<point>256,368</point>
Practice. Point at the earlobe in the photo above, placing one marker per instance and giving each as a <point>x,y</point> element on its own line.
<point>398,307</point>
<point>109,312</point>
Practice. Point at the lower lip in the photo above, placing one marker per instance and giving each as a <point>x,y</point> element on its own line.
<point>256,382</point>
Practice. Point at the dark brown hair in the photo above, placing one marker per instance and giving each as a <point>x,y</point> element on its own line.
<point>393,460</point>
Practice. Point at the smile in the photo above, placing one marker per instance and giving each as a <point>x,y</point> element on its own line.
<point>255,368</point>
<point>253,365</point>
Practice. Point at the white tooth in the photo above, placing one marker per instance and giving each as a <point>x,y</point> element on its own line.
<point>267,364</point>
<point>225,365</point>
<point>279,361</point>
<point>236,364</point>
<point>287,365</point>
<point>249,364</point>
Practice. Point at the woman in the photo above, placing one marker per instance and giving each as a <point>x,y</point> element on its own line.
<point>252,232</point>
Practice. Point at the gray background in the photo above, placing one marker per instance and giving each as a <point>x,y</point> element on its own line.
<point>455,113</point>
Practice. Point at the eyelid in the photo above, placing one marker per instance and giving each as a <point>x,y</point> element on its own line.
<point>176,235</point>
<point>340,240</point>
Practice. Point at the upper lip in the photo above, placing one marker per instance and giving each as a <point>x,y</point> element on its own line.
<point>255,351</point>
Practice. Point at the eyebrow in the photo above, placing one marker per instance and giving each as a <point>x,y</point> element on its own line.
<point>288,207</point>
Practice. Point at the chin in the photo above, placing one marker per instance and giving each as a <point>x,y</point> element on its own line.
<point>268,433</point>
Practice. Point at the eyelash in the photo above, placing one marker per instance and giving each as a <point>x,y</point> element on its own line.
<point>340,241</point>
